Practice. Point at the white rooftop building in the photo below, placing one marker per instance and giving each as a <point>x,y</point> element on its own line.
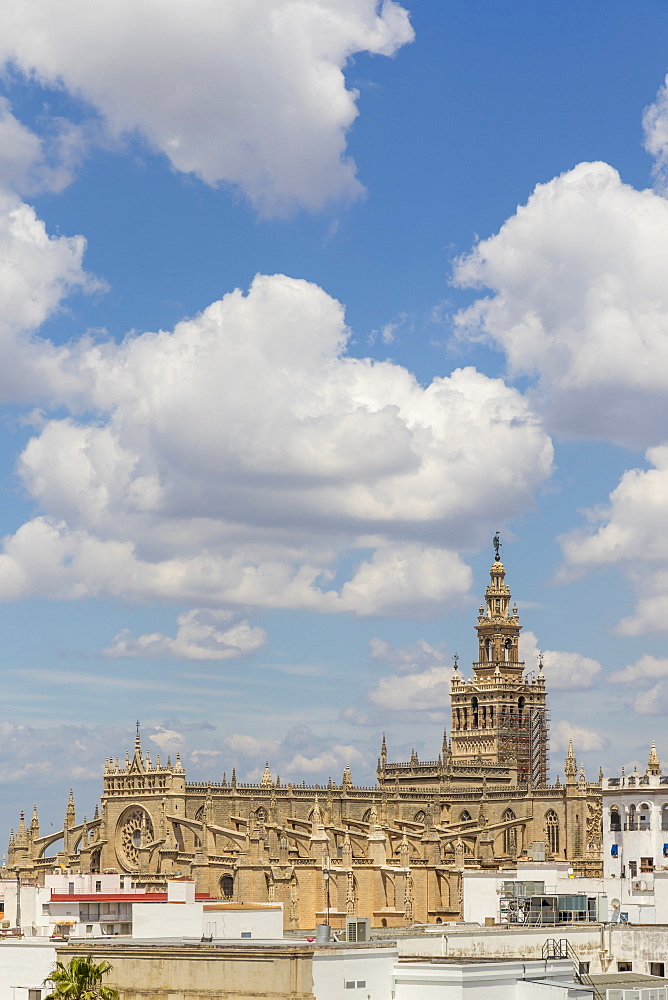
<point>635,824</point>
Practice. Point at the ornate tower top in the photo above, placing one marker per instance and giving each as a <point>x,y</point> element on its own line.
<point>500,716</point>
<point>498,626</point>
<point>570,764</point>
<point>653,763</point>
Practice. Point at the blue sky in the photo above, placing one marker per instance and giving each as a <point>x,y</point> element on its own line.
<point>299,304</point>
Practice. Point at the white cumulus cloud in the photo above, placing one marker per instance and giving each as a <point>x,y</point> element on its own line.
<point>579,299</point>
<point>629,534</point>
<point>563,671</point>
<point>37,271</point>
<point>29,162</point>
<point>646,668</point>
<point>234,460</point>
<point>251,94</point>
<point>202,634</point>
<point>417,686</point>
<point>584,739</point>
<point>655,127</point>
<point>654,701</point>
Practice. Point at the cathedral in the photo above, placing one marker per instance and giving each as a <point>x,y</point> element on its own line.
<point>394,852</point>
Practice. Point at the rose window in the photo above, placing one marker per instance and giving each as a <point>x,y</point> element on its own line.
<point>136,832</point>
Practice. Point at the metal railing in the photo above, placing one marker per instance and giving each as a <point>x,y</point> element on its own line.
<point>562,948</point>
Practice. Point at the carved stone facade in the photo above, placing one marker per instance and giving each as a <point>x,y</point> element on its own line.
<point>393,852</point>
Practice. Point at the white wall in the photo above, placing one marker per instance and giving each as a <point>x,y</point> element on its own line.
<point>60,881</point>
<point>193,920</point>
<point>167,920</point>
<point>332,968</point>
<point>24,964</point>
<point>32,899</point>
<point>224,921</point>
<point>469,981</point>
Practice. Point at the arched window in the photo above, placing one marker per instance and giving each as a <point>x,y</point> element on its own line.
<point>420,817</point>
<point>488,647</point>
<point>507,646</point>
<point>616,820</point>
<point>474,712</point>
<point>509,835</point>
<point>644,816</point>
<point>465,817</point>
<point>520,708</point>
<point>227,886</point>
<point>552,831</point>
<point>367,816</point>
<point>632,825</point>
<point>260,815</point>
<point>664,817</point>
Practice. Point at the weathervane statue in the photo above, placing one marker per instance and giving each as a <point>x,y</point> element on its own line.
<point>497,546</point>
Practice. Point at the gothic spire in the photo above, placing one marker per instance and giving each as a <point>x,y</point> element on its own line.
<point>653,763</point>
<point>22,833</point>
<point>70,813</point>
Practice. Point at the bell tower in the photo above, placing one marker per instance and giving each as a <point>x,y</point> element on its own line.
<point>499,716</point>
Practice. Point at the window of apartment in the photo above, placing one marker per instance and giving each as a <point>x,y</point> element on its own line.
<point>89,928</point>
<point>584,968</point>
<point>34,995</point>
<point>657,969</point>
<point>98,886</point>
<point>45,909</point>
<point>624,966</point>
<point>633,868</point>
<point>647,864</point>
<point>70,888</point>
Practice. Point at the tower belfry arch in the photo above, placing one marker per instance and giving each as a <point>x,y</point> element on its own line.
<point>499,716</point>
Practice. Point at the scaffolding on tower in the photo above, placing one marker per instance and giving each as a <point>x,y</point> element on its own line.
<point>523,740</point>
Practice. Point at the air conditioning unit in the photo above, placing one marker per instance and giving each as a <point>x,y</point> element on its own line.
<point>358,929</point>
<point>637,885</point>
